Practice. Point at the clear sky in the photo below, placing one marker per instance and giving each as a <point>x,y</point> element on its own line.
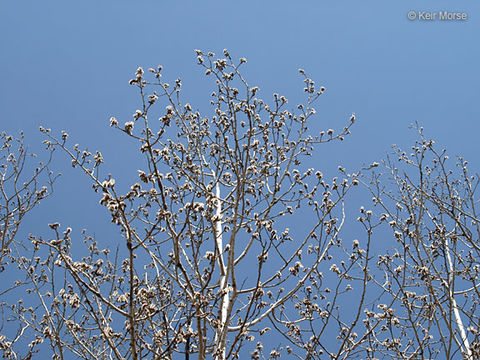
<point>66,65</point>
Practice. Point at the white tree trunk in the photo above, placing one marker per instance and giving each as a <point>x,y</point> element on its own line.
<point>220,334</point>
<point>458,318</point>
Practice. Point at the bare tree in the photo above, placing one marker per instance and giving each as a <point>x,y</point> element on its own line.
<point>20,187</point>
<point>430,275</point>
<point>230,246</point>
<point>414,273</point>
<point>208,257</point>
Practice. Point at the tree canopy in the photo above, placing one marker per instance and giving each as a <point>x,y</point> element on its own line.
<point>230,246</point>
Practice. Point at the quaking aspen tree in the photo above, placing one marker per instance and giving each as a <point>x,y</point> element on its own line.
<point>230,246</point>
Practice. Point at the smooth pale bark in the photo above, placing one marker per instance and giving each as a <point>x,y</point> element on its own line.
<point>220,333</point>
<point>458,318</point>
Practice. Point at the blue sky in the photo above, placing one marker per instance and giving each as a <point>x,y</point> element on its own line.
<point>66,65</point>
